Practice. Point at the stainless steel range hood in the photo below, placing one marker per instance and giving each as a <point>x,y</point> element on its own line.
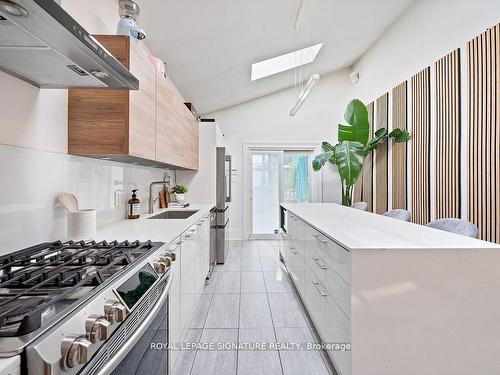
<point>41,44</point>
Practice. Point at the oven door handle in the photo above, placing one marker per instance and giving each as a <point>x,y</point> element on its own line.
<point>132,340</point>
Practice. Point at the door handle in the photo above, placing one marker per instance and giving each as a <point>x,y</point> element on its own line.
<point>319,239</point>
<point>320,265</point>
<point>316,285</point>
<point>230,160</point>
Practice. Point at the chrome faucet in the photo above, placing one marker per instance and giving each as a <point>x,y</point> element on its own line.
<point>166,181</point>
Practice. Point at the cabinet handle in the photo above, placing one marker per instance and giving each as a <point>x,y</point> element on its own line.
<point>316,285</point>
<point>317,237</point>
<point>292,249</point>
<point>320,265</point>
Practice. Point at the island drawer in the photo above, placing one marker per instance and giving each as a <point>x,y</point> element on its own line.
<point>334,255</point>
<point>295,265</point>
<point>330,322</point>
<point>339,290</point>
<point>296,230</point>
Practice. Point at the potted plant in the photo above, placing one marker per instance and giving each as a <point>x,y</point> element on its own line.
<point>179,191</point>
<point>354,146</point>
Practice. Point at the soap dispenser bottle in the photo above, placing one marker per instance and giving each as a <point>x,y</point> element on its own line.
<point>134,206</point>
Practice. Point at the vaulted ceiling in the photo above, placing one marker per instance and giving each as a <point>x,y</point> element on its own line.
<point>209,45</point>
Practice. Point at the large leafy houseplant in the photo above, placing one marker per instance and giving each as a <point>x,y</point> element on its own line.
<point>354,146</point>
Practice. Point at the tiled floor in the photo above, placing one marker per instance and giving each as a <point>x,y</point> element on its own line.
<point>250,299</point>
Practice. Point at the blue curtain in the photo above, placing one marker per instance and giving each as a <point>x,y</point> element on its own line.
<point>301,179</point>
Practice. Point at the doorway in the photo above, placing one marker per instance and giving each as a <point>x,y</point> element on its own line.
<point>276,175</point>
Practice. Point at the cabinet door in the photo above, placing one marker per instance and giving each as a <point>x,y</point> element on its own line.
<point>330,322</point>
<point>316,248</point>
<point>142,130</point>
<point>198,259</point>
<point>168,137</point>
<point>174,298</point>
<point>188,276</point>
<point>192,141</point>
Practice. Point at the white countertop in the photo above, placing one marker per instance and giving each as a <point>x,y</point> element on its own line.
<point>156,230</point>
<point>356,229</point>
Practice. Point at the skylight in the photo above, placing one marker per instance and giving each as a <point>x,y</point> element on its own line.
<point>285,62</point>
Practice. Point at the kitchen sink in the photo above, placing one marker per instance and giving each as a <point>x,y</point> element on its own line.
<point>169,215</point>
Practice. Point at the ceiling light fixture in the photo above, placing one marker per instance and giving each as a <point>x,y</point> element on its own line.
<point>285,62</point>
<point>300,12</point>
<point>305,93</point>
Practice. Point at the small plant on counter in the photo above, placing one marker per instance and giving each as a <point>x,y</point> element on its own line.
<point>354,146</point>
<point>179,189</point>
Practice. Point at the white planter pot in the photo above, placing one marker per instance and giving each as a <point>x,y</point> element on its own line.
<point>179,198</point>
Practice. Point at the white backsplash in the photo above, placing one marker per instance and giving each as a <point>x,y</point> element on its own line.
<point>30,181</point>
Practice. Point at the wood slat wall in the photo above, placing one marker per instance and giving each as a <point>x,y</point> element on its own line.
<point>381,158</point>
<point>420,147</point>
<point>399,150</point>
<point>484,133</point>
<point>358,187</point>
<point>367,192</point>
<point>448,124</point>
<point>363,189</point>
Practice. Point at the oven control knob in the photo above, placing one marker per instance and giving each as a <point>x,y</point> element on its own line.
<point>171,255</point>
<point>75,350</point>
<point>166,260</point>
<point>160,266</point>
<point>98,328</point>
<point>114,311</point>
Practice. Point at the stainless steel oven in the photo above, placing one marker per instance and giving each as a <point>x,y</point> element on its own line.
<point>140,345</point>
<point>112,318</point>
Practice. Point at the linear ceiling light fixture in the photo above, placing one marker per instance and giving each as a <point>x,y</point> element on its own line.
<point>285,62</point>
<point>305,93</point>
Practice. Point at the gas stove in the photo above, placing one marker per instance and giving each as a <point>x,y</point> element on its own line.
<point>61,304</point>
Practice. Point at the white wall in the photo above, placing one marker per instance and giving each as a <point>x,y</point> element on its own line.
<point>31,180</point>
<point>267,120</point>
<point>427,31</point>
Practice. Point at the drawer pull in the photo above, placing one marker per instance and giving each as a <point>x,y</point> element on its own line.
<point>316,285</point>
<point>293,251</point>
<point>320,265</point>
<point>319,239</point>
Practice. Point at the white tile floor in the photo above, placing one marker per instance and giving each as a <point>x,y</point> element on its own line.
<point>250,299</point>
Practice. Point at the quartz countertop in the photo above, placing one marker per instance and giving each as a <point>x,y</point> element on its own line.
<point>356,229</point>
<point>156,230</point>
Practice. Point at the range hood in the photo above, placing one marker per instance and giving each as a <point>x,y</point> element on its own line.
<point>41,44</point>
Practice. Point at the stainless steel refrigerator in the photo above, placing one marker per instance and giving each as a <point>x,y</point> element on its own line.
<point>223,198</point>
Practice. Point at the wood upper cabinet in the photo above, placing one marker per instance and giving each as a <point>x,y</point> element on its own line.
<point>177,131</point>
<point>148,126</point>
<point>169,137</point>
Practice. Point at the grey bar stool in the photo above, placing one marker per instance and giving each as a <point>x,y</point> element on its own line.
<point>363,206</point>
<point>458,226</point>
<point>399,214</point>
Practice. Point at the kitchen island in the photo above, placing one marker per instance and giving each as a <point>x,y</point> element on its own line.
<point>408,298</point>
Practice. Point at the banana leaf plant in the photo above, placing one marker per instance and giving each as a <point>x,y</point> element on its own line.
<point>354,146</point>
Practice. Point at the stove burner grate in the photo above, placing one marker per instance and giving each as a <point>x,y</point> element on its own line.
<point>61,267</point>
